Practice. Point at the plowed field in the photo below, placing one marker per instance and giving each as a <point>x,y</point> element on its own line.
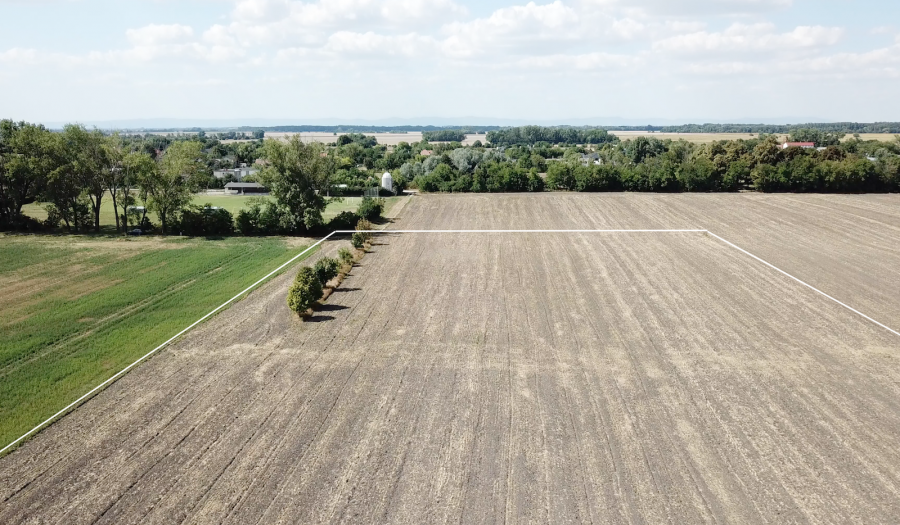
<point>511,377</point>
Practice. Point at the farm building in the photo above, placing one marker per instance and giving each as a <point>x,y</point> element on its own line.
<point>804,145</point>
<point>238,174</point>
<point>241,188</point>
<point>590,158</point>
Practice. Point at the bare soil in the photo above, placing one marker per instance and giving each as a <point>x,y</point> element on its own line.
<point>489,378</point>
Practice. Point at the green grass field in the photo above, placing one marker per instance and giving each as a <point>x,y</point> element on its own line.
<point>78,309</point>
<point>232,203</point>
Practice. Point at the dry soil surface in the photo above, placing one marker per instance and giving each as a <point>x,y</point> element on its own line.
<point>492,378</point>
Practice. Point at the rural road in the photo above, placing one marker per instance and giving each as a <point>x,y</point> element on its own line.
<point>519,378</point>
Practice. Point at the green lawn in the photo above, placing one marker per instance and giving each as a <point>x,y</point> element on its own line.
<point>78,309</point>
<point>232,203</point>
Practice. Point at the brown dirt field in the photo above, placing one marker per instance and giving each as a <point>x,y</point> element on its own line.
<point>487,378</point>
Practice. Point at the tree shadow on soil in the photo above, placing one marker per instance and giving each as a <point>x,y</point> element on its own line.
<point>319,319</point>
<point>330,308</point>
<point>344,290</point>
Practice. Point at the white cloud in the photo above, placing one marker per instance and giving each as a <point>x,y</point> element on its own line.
<point>755,38</point>
<point>372,45</point>
<point>154,34</point>
<point>437,46</point>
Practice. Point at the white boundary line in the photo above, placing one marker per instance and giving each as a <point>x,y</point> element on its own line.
<point>522,231</point>
<point>811,287</point>
<point>770,265</point>
<point>112,379</point>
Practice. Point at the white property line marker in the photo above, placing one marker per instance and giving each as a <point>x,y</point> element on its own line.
<point>811,287</point>
<point>522,231</point>
<point>112,379</point>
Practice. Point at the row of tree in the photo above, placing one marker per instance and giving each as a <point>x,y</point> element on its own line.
<point>530,135</point>
<point>832,127</point>
<point>649,164</point>
<point>444,135</point>
<point>75,170</point>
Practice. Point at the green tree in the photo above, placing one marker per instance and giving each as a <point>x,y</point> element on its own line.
<point>118,176</point>
<point>81,160</point>
<point>370,209</point>
<point>327,269</point>
<point>26,160</point>
<point>305,292</point>
<point>169,187</point>
<point>298,175</point>
<point>821,138</point>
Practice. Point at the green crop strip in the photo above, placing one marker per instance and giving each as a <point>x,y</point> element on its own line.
<point>75,311</point>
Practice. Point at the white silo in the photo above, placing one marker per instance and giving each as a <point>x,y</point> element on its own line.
<point>387,182</point>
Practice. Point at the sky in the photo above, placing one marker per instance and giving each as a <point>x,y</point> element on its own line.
<point>449,61</point>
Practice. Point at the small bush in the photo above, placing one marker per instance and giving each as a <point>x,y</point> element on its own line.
<point>305,292</point>
<point>358,240</point>
<point>346,220</point>
<point>327,269</point>
<point>370,209</point>
<point>53,217</point>
<point>205,220</point>
<point>346,256</point>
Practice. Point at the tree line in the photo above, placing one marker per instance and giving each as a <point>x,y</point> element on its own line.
<point>444,135</point>
<point>648,164</point>
<point>75,170</point>
<point>833,127</point>
<point>530,135</point>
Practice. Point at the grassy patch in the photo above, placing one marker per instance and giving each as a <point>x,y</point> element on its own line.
<point>76,310</point>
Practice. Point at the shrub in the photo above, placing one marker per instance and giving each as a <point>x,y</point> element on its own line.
<point>247,222</point>
<point>346,256</point>
<point>326,269</point>
<point>206,220</point>
<point>358,240</point>
<point>370,209</point>
<point>53,217</point>
<point>362,229</point>
<point>346,220</point>
<point>305,292</point>
<point>264,217</point>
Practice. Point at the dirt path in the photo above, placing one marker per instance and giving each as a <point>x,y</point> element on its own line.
<point>626,378</point>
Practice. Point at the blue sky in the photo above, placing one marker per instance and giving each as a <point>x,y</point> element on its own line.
<point>367,60</point>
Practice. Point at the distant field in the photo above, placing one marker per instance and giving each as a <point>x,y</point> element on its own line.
<point>76,310</point>
<point>232,203</point>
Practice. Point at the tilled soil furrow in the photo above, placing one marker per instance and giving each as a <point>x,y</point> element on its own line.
<point>488,378</point>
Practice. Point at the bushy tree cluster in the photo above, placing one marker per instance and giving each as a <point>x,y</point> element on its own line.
<point>74,170</point>
<point>832,127</point>
<point>370,209</point>
<point>305,292</point>
<point>531,135</point>
<point>487,177</point>
<point>444,135</point>
<point>205,221</point>
<point>326,269</point>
